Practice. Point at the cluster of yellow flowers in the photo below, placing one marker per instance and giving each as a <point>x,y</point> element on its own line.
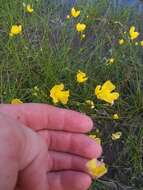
<point>133,34</point>
<point>80,27</point>
<point>17,28</point>
<point>105,92</point>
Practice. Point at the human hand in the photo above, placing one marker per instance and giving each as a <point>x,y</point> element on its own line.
<point>57,161</point>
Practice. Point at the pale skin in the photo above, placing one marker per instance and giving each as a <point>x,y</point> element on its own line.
<point>44,148</point>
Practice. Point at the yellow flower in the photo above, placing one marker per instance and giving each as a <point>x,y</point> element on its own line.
<point>105,92</point>
<point>35,94</point>
<point>121,41</point>
<point>80,27</point>
<point>29,8</point>
<point>136,44</point>
<point>68,16</point>
<point>75,13</point>
<point>97,140</point>
<point>92,136</point>
<point>81,77</point>
<point>141,43</point>
<point>111,61</point>
<point>58,94</point>
<point>16,101</point>
<point>15,30</point>
<point>90,103</point>
<point>36,88</point>
<point>133,33</point>
<point>116,136</point>
<point>97,131</point>
<point>115,116</point>
<point>36,91</point>
<point>96,170</point>
<point>82,36</point>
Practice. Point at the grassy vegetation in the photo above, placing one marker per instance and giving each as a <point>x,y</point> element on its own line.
<point>50,51</point>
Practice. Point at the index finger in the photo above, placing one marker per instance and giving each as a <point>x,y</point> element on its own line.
<point>43,116</point>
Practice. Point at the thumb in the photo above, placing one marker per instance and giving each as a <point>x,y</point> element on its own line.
<point>22,156</point>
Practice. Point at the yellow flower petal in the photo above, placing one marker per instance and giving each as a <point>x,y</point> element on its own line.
<point>121,41</point>
<point>63,97</point>
<point>90,103</point>
<point>81,77</point>
<point>106,96</point>
<point>111,61</point>
<point>68,16</point>
<point>109,97</point>
<point>97,90</point>
<point>29,8</point>
<point>114,95</point>
<point>132,29</point>
<point>105,92</point>
<point>58,94</point>
<point>97,170</point>
<point>116,136</point>
<point>83,36</point>
<point>36,88</point>
<point>16,101</point>
<point>35,94</point>
<point>92,136</point>
<point>108,85</point>
<point>136,43</point>
<point>141,43</point>
<point>97,139</point>
<point>15,30</point>
<point>133,33</point>
<point>75,13</point>
<point>80,27</point>
<point>115,116</point>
